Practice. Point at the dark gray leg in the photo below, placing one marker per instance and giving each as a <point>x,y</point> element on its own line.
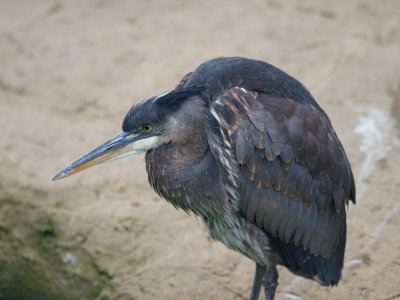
<point>255,291</point>
<point>270,282</point>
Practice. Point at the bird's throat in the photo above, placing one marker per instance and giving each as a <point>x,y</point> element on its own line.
<point>192,183</point>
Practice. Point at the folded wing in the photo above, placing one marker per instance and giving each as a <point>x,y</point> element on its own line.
<point>292,173</point>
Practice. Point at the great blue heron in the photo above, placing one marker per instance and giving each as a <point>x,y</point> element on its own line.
<point>246,147</point>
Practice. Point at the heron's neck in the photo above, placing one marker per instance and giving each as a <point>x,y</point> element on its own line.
<point>188,177</point>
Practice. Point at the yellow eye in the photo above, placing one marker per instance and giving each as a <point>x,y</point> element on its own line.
<point>147,128</point>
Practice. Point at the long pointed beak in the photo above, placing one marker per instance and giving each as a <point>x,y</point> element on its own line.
<point>124,144</point>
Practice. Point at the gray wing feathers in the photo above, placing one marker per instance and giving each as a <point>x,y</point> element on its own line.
<point>294,174</point>
<point>244,146</point>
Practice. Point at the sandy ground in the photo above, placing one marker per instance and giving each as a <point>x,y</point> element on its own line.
<point>70,70</point>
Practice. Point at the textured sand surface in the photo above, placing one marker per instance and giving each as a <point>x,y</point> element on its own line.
<point>70,70</point>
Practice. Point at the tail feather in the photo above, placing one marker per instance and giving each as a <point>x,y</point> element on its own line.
<point>327,271</point>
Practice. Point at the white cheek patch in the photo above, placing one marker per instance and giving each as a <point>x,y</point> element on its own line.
<point>138,147</point>
<point>145,144</point>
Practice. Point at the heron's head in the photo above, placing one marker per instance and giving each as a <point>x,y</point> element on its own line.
<point>162,119</point>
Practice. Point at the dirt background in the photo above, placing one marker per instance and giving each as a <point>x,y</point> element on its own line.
<point>70,70</point>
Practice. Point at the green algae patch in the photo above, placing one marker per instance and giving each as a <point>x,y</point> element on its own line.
<point>35,260</point>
